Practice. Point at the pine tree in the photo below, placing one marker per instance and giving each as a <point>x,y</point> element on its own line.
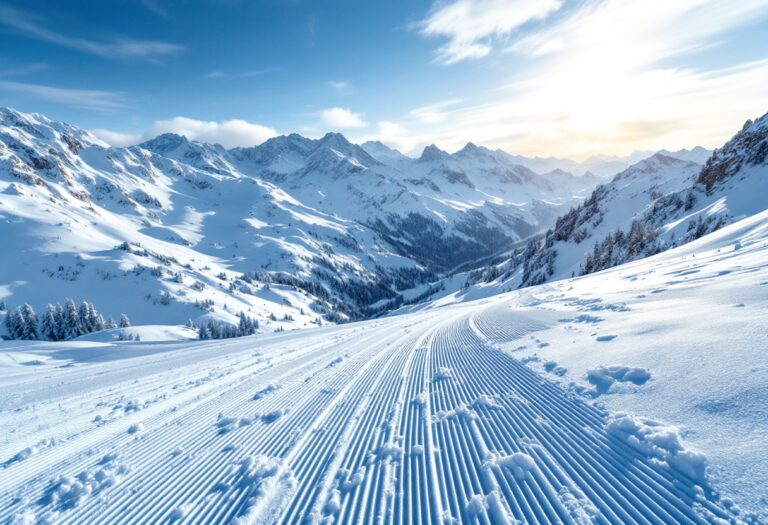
<point>12,324</point>
<point>71,320</point>
<point>84,317</point>
<point>48,324</point>
<point>95,320</point>
<point>124,321</point>
<point>111,323</point>
<point>28,322</point>
<point>58,312</point>
<point>243,326</point>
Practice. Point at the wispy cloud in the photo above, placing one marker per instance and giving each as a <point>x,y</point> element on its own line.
<point>611,76</point>
<point>117,139</point>
<point>434,113</point>
<point>83,98</point>
<point>27,69</point>
<point>228,133</point>
<point>342,118</point>
<point>234,76</point>
<point>343,87</point>
<point>31,26</point>
<point>155,7</point>
<point>472,26</point>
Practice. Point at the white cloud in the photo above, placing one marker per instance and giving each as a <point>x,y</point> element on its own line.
<point>115,138</point>
<point>83,98</point>
<point>117,48</point>
<point>236,76</point>
<point>396,136</point>
<point>228,133</point>
<point>342,118</point>
<point>612,76</point>
<point>339,85</point>
<point>472,25</point>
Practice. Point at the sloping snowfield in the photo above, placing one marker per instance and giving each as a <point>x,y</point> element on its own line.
<point>451,414</point>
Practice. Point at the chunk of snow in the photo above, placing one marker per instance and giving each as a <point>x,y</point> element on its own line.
<point>333,505</point>
<point>660,441</point>
<point>272,416</point>
<point>389,451</point>
<point>254,468</point>
<point>180,512</point>
<point>66,492</point>
<point>264,391</point>
<point>519,463</point>
<point>603,377</point>
<point>476,506</point>
<point>485,401</point>
<point>228,424</point>
<point>442,374</point>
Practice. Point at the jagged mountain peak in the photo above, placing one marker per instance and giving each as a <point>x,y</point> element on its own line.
<point>471,149</point>
<point>36,126</point>
<point>334,138</point>
<point>433,153</point>
<point>384,153</point>
<point>165,143</point>
<point>654,165</point>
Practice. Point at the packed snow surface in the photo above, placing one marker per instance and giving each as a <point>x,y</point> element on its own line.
<point>482,411</point>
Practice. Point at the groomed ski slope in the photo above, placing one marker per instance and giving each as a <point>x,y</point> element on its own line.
<point>431,417</point>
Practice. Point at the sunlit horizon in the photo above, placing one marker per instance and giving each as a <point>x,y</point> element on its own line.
<point>567,79</point>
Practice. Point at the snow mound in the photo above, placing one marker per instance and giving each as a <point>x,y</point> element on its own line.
<point>519,463</point>
<point>66,492</point>
<point>604,377</point>
<point>660,441</point>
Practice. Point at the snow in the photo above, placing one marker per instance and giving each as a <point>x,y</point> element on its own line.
<point>418,405</point>
<point>637,394</point>
<point>661,441</point>
<point>604,377</point>
<point>340,223</point>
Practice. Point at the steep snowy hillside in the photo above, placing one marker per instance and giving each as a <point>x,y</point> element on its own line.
<point>658,203</point>
<point>294,232</point>
<point>602,399</point>
<point>175,236</point>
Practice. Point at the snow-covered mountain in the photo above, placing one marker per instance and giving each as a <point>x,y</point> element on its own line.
<point>441,210</point>
<point>606,166</point>
<point>658,203</point>
<point>293,232</point>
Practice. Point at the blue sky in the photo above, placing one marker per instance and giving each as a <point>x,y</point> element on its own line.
<point>536,77</point>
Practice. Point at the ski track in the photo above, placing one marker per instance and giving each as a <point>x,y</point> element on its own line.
<point>381,422</point>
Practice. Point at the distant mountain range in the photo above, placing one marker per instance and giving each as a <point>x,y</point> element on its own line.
<point>294,232</point>
<point>658,203</point>
<point>604,165</point>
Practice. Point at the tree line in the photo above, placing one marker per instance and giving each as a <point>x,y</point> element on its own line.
<point>59,322</point>
<point>211,329</point>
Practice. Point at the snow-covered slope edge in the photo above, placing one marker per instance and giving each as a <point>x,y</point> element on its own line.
<point>547,397</point>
